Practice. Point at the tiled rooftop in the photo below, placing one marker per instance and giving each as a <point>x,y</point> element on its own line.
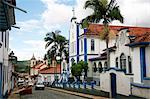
<point>51,70</point>
<point>96,29</point>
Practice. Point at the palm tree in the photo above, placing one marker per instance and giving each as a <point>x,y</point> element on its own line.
<point>105,12</point>
<point>51,40</point>
<point>57,44</point>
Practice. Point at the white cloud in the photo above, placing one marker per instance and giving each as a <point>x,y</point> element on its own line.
<point>57,15</point>
<point>35,47</point>
<point>135,12</point>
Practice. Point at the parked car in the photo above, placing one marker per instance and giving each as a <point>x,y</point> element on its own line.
<point>21,81</point>
<point>39,85</point>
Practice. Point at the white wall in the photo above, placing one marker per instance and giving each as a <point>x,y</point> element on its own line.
<point>136,65</point>
<point>72,38</point>
<point>122,82</point>
<point>97,45</point>
<point>147,53</point>
<point>4,58</point>
<point>141,92</point>
<point>51,76</point>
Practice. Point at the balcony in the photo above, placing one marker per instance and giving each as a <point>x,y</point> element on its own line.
<point>7,15</point>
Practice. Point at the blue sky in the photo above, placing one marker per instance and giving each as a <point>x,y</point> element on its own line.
<point>46,15</point>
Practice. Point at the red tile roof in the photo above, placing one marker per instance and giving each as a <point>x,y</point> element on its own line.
<point>143,38</point>
<point>51,70</point>
<point>38,65</point>
<point>95,29</point>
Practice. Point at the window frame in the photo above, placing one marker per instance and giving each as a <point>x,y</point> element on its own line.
<point>92,45</point>
<point>117,62</point>
<point>100,68</point>
<point>130,64</point>
<point>94,67</point>
<point>123,64</point>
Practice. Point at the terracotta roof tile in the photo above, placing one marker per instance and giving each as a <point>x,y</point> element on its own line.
<point>95,29</point>
<point>143,38</point>
<point>51,70</point>
<point>39,65</point>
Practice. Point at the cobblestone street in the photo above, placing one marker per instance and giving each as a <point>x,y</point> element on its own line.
<point>49,94</point>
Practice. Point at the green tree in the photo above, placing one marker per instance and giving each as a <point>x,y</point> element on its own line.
<point>57,45</point>
<point>78,68</point>
<point>105,12</point>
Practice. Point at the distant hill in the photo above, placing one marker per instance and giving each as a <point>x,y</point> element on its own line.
<point>23,66</point>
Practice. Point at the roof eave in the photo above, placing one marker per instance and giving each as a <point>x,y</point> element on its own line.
<point>138,44</point>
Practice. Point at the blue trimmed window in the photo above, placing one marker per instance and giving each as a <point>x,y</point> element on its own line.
<point>92,45</point>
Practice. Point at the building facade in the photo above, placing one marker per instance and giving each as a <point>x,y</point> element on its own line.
<point>129,61</point>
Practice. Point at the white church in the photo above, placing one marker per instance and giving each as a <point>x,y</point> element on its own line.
<point>129,48</point>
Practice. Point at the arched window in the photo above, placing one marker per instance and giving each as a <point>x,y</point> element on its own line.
<point>105,65</point>
<point>117,62</point>
<point>92,45</point>
<point>94,67</point>
<point>123,62</point>
<point>72,60</point>
<point>81,45</point>
<point>100,67</point>
<point>130,64</point>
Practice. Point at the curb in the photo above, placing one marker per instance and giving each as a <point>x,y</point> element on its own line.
<point>78,94</point>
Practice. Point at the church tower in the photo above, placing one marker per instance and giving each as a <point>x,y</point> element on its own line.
<point>32,61</point>
<point>73,40</point>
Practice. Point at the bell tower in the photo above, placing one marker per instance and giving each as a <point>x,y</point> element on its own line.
<point>33,61</point>
<point>73,39</point>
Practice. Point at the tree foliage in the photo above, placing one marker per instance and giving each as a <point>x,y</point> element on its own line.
<point>57,45</point>
<point>78,68</point>
<point>105,12</point>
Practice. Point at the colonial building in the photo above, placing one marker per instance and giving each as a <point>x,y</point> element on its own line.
<point>129,61</point>
<point>36,65</point>
<point>7,19</point>
<point>51,74</point>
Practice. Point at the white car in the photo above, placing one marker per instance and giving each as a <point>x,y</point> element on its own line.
<point>30,83</point>
<point>39,85</point>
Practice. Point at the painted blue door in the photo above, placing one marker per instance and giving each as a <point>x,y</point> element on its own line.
<point>1,79</point>
<point>113,85</point>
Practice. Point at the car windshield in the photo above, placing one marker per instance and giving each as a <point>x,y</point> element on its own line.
<point>39,83</point>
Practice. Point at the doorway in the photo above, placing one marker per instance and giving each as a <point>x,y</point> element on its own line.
<point>113,85</point>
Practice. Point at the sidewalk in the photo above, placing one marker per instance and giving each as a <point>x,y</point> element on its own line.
<point>14,94</point>
<point>78,94</point>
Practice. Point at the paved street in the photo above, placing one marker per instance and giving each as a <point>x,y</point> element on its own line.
<point>49,94</point>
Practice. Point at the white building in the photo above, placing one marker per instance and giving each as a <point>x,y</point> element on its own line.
<point>7,20</point>
<point>4,66</point>
<point>129,48</point>
<point>51,74</point>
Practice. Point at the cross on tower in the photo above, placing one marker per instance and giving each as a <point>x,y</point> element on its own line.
<point>73,11</point>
